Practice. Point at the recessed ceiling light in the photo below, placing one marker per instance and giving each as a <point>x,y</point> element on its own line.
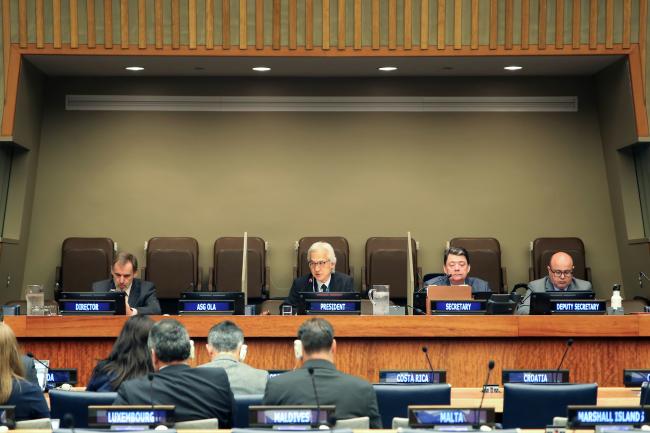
<point>388,68</point>
<point>261,68</point>
<point>513,68</point>
<point>134,68</point>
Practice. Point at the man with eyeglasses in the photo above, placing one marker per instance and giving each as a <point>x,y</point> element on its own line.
<point>560,278</point>
<point>321,277</point>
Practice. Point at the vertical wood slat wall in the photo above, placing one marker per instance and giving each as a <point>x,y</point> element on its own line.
<point>457,24</point>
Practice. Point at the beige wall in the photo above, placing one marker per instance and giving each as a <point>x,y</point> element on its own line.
<point>514,176</point>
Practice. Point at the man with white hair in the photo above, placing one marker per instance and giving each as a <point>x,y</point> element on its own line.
<point>322,278</point>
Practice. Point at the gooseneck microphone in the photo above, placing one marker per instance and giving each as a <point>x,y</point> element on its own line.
<point>31,355</point>
<point>313,384</point>
<point>569,343</point>
<point>150,377</point>
<point>487,381</point>
<point>425,350</point>
<point>415,309</point>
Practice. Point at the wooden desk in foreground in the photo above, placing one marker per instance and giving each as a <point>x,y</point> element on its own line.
<point>462,345</point>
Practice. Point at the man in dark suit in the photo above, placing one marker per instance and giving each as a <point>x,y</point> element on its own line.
<point>197,393</point>
<point>456,266</point>
<point>322,277</point>
<point>140,295</point>
<point>352,396</point>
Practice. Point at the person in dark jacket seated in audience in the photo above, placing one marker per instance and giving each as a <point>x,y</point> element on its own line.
<point>456,265</point>
<point>322,278</point>
<point>140,295</point>
<point>352,396</point>
<point>128,359</point>
<point>14,389</point>
<point>197,393</point>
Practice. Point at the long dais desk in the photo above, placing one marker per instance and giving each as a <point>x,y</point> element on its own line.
<point>462,345</point>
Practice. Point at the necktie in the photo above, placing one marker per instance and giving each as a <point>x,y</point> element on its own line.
<point>323,288</point>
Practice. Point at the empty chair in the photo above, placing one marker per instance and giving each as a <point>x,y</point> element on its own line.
<point>172,265</point>
<point>76,404</point>
<point>84,261</point>
<point>485,256</point>
<point>240,409</point>
<point>394,399</point>
<point>386,264</point>
<point>543,248</point>
<point>225,275</point>
<point>534,406</point>
<point>341,250</point>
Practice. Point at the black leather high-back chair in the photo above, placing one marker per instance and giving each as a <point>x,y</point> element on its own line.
<point>84,261</point>
<point>225,275</point>
<point>534,406</point>
<point>544,248</point>
<point>394,399</point>
<point>386,264</point>
<point>76,404</point>
<point>485,257</point>
<point>240,413</point>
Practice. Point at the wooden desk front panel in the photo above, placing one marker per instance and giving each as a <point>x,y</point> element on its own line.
<point>603,346</point>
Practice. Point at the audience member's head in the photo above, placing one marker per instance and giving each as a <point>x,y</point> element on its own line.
<point>169,343</point>
<point>560,270</point>
<point>11,366</point>
<point>456,264</point>
<point>321,260</point>
<point>225,338</point>
<point>317,338</point>
<point>124,269</point>
<point>129,357</point>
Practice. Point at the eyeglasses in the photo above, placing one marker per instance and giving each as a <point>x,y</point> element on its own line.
<point>317,264</point>
<point>562,273</point>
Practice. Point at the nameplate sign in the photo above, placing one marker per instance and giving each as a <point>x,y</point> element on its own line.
<point>412,376</point>
<point>433,416</point>
<point>140,415</point>
<point>535,376</point>
<point>594,306</point>
<point>295,417</point>
<point>634,378</point>
<point>458,307</point>
<point>332,307</point>
<point>588,417</point>
<point>87,307</point>
<point>206,307</point>
<point>8,416</point>
<point>59,376</point>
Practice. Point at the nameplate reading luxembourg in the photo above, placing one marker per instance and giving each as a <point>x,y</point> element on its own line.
<point>588,417</point>
<point>535,376</point>
<point>140,415</point>
<point>412,376</point>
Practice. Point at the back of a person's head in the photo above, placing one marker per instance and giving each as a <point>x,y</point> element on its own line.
<point>225,336</point>
<point>170,341</point>
<point>11,365</point>
<point>316,335</point>
<point>130,356</point>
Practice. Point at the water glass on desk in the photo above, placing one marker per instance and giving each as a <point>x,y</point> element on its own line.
<point>379,295</point>
<point>35,300</point>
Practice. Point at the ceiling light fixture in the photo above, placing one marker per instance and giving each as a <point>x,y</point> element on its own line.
<point>261,68</point>
<point>388,68</point>
<point>134,68</point>
<point>513,68</point>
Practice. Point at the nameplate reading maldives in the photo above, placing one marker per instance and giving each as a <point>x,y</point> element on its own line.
<point>578,307</point>
<point>333,306</point>
<point>99,416</point>
<point>207,306</point>
<point>592,416</point>
<point>431,417</point>
<point>457,307</point>
<point>535,376</point>
<point>268,416</point>
<point>87,306</point>
<point>416,376</point>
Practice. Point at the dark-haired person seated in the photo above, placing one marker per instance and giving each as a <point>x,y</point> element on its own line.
<point>128,359</point>
<point>456,265</point>
<point>322,277</point>
<point>197,393</point>
<point>140,295</point>
<point>14,389</point>
<point>352,396</point>
<point>560,278</point>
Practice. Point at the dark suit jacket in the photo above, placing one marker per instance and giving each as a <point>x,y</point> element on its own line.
<point>30,370</point>
<point>352,396</point>
<point>142,297</point>
<point>339,282</point>
<point>197,393</point>
<point>29,401</point>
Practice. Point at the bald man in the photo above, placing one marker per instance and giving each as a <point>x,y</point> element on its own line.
<point>559,278</point>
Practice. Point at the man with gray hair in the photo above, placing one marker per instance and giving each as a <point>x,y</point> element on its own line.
<point>197,393</point>
<point>227,350</point>
<point>322,278</point>
<point>319,382</point>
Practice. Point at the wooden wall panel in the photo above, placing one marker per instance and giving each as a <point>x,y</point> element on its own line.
<point>259,24</point>
<point>525,23</point>
<point>91,38</point>
<point>442,20</point>
<point>309,24</point>
<point>494,24</point>
<point>142,24</point>
<point>124,24</point>
<point>509,25</point>
<point>243,25</point>
<point>593,23</point>
<point>176,24</point>
<point>40,24</point>
<point>392,24</point>
<point>474,25</point>
<point>458,24</point>
<point>209,24</point>
<point>74,23</point>
<point>627,24</point>
<point>609,23</point>
<point>340,36</point>
<point>6,38</point>
<point>575,25</point>
<point>22,23</point>
<point>293,24</point>
<point>559,24</point>
<point>56,23</point>
<point>408,24</point>
<point>108,24</point>
<point>542,24</point>
<point>643,19</point>
<point>191,24</point>
<point>375,24</point>
<point>424,24</point>
<point>158,23</point>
